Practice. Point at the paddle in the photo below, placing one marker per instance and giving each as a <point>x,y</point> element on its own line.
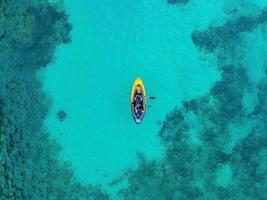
<point>152,98</point>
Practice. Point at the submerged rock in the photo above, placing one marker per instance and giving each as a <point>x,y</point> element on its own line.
<point>61,115</point>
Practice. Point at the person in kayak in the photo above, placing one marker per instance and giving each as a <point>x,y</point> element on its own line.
<point>138,98</point>
<point>138,108</point>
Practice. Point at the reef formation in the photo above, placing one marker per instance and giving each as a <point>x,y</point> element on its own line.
<point>216,145</point>
<point>30,167</point>
<point>222,36</point>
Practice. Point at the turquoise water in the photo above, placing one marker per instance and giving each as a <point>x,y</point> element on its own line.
<point>112,44</point>
<point>66,73</point>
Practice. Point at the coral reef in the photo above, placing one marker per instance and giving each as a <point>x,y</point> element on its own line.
<point>31,30</point>
<point>216,148</point>
<point>30,167</point>
<point>220,37</point>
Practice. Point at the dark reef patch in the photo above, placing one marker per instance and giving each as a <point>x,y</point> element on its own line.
<point>30,167</point>
<point>31,31</point>
<point>226,34</point>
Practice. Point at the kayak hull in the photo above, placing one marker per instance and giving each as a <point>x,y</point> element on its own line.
<point>138,81</point>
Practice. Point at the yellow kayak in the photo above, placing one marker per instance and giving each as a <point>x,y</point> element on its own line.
<point>138,100</point>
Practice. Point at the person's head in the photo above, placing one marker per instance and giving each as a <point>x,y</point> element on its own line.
<point>138,98</point>
<point>138,89</point>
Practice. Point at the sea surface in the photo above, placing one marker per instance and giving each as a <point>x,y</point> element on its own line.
<point>113,43</point>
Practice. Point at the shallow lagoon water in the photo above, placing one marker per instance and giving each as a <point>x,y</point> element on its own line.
<point>112,44</point>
